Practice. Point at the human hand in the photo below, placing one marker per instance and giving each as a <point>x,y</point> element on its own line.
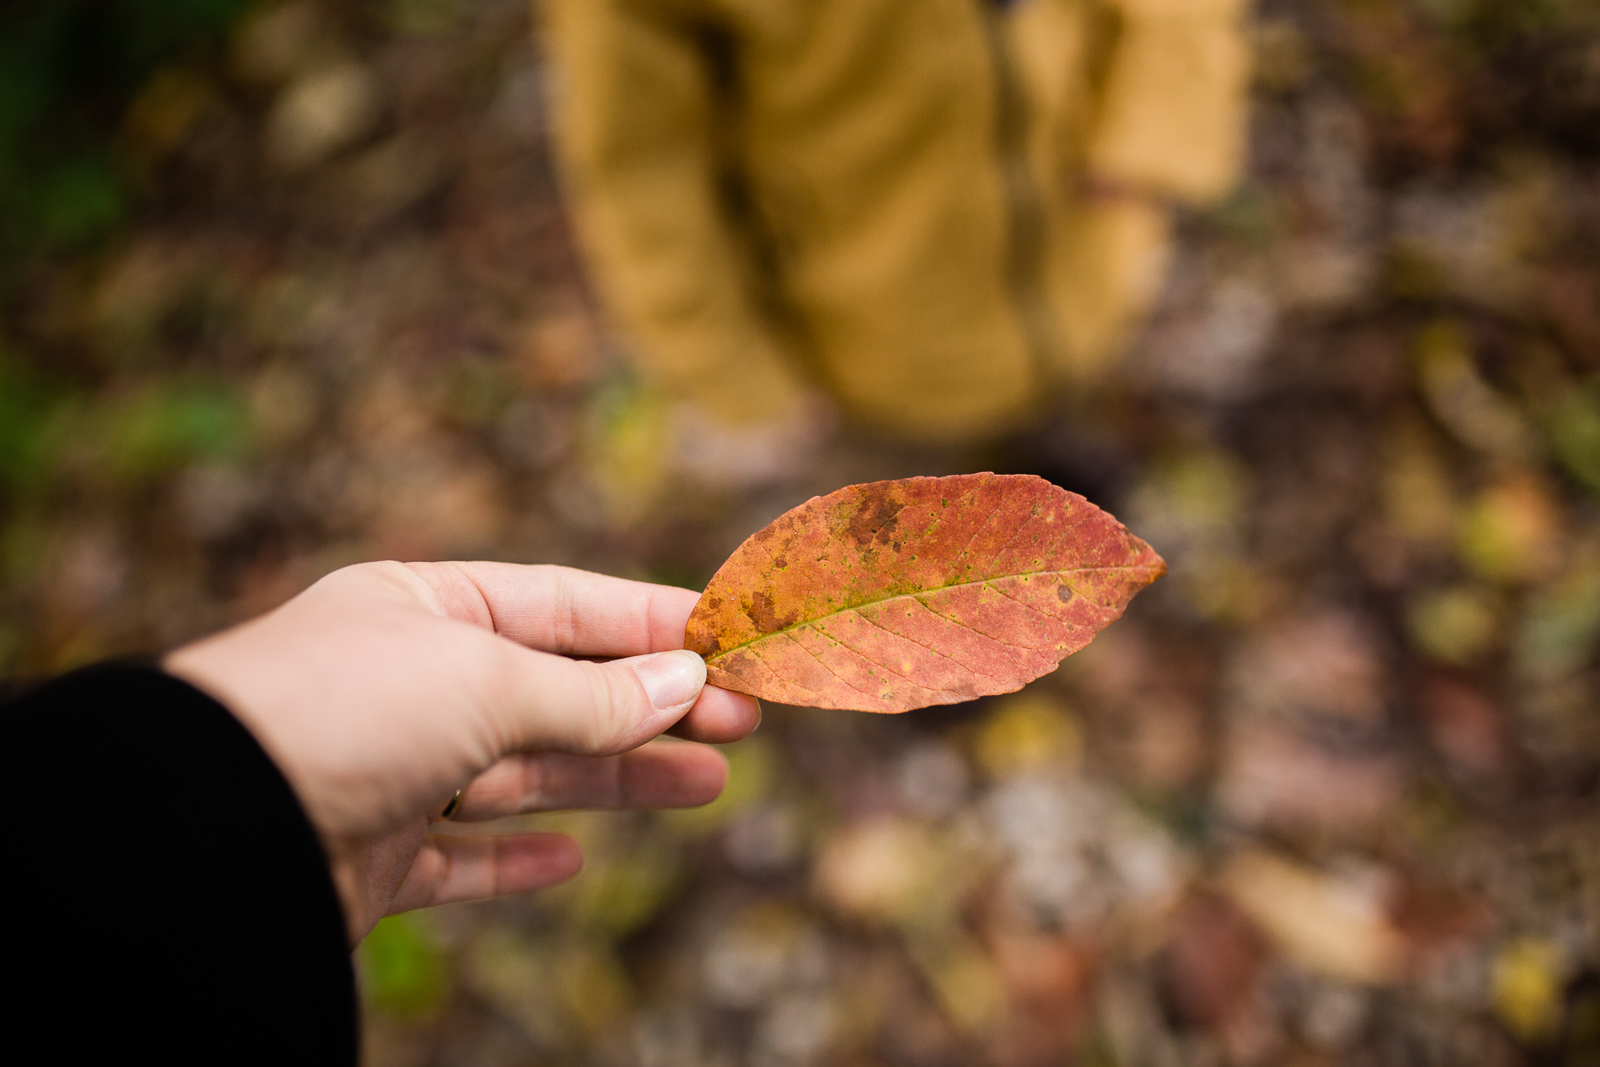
<point>385,687</point>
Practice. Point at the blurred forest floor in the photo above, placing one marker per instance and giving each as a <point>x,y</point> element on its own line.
<point>1326,795</point>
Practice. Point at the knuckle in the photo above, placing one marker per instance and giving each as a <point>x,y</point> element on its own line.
<point>495,793</point>
<point>498,680</point>
<point>611,705</point>
<point>533,790</point>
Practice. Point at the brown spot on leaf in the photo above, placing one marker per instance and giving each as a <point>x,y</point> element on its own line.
<point>763,612</point>
<point>876,518</point>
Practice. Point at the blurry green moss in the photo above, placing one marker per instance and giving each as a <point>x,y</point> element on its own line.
<point>31,409</point>
<point>516,975</point>
<point>1575,433</point>
<point>624,892</point>
<point>47,429</point>
<point>25,542</point>
<point>1456,625</point>
<point>594,986</point>
<point>478,392</point>
<point>166,425</point>
<point>1252,214</point>
<point>403,971</point>
<point>81,200</point>
<point>1419,499</point>
<point>1209,486</point>
<point>1561,629</point>
<point>752,772</point>
<point>421,18</point>
<point>68,69</point>
<point>1457,395</point>
<point>963,979</point>
<point>1193,505</point>
<point>628,436</point>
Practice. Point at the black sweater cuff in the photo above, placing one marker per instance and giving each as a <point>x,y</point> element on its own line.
<point>168,893</point>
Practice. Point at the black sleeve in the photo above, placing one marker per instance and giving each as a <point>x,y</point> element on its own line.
<point>164,891</point>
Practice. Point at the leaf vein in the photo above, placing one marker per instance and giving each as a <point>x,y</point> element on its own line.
<point>1014,535</point>
<point>1030,607</point>
<point>980,633</point>
<point>930,648</point>
<point>981,527</point>
<point>919,593</point>
<point>790,635</point>
<point>884,666</point>
<point>781,679</point>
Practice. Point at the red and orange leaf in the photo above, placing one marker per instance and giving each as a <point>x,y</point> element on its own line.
<point>897,595</point>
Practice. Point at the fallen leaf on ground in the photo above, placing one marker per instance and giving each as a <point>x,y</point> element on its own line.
<point>1327,924</point>
<point>902,594</point>
<point>1213,962</point>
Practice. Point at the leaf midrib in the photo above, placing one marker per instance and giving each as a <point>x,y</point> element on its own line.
<point>921,592</point>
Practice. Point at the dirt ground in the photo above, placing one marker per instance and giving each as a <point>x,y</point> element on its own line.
<point>1326,795</point>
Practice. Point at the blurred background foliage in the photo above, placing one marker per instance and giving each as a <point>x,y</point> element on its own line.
<point>68,72</point>
<point>285,285</point>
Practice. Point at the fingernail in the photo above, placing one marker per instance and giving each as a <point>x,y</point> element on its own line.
<point>671,678</point>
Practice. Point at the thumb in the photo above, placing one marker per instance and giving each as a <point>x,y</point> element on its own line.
<point>597,709</point>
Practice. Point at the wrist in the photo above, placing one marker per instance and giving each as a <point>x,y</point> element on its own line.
<point>348,868</point>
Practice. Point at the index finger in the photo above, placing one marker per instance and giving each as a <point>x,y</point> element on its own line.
<point>562,609</point>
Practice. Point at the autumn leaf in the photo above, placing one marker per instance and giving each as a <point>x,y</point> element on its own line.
<point>898,595</point>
